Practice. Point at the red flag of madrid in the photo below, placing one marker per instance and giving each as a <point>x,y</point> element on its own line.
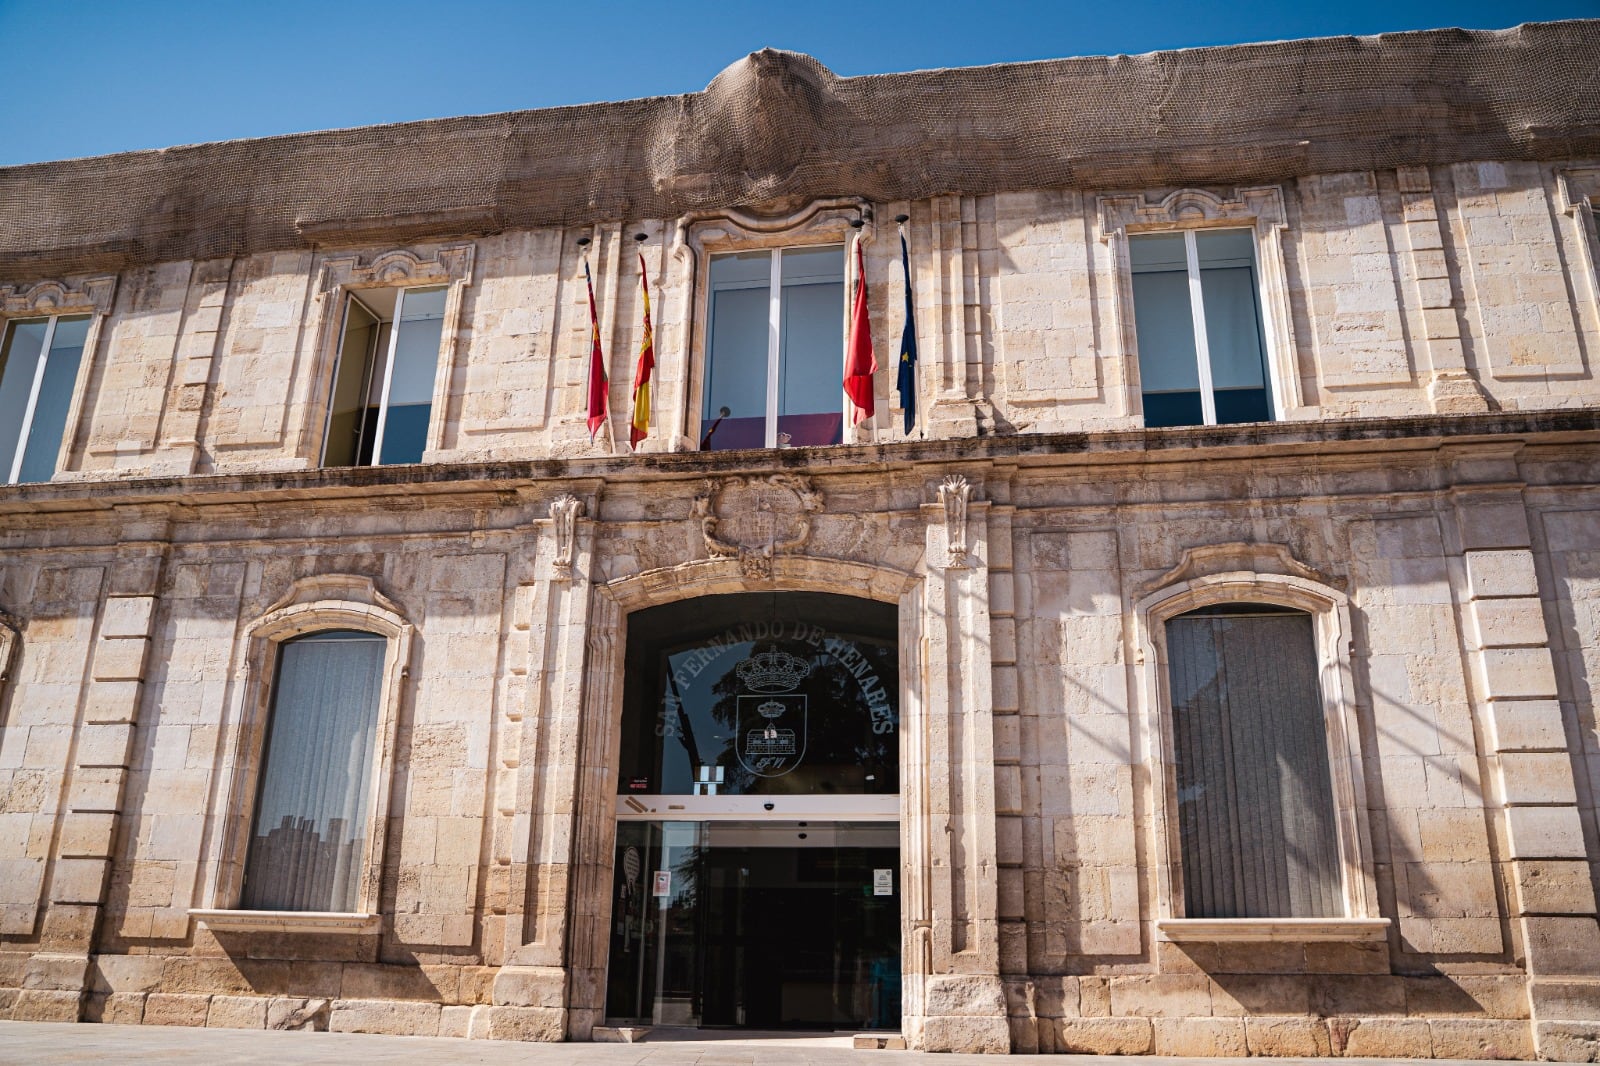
<point>860,361</point>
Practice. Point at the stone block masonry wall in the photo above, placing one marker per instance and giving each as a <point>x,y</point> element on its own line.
<point>1383,293</point>
<point>1042,876</point>
<point>1447,299</point>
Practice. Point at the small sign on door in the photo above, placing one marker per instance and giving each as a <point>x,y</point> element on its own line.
<point>663,884</point>
<point>883,882</point>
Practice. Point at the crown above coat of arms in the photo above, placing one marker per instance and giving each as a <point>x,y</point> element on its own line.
<point>773,671</point>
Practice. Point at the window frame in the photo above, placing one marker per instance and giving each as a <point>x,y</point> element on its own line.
<point>346,275</point>
<point>775,358</point>
<point>1182,591</point>
<point>382,365</point>
<point>314,604</point>
<point>55,300</point>
<point>1187,211</point>
<point>819,223</point>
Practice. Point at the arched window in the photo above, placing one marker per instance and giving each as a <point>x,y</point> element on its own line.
<point>308,759</point>
<point>1260,808</point>
<point>308,837</point>
<point>1255,801</point>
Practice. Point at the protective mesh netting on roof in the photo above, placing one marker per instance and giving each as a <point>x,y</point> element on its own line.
<point>776,128</point>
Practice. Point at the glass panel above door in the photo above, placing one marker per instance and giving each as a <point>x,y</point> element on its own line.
<point>752,694</point>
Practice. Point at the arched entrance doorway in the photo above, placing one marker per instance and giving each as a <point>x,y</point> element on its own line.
<point>757,865</point>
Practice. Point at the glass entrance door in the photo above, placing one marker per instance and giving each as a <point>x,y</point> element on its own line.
<point>757,866</point>
<point>763,925</point>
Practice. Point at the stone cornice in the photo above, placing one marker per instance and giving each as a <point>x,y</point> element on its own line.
<point>777,129</point>
<point>1349,441</point>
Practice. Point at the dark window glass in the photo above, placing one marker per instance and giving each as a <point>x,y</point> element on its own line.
<point>758,694</point>
<point>807,391</point>
<point>1163,312</point>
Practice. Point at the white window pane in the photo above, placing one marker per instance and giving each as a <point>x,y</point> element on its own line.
<point>311,815</point>
<point>1166,332</point>
<point>1225,248</point>
<point>351,419</point>
<point>805,265</point>
<point>1169,371</point>
<point>736,356</point>
<point>1157,253</point>
<point>416,352</point>
<point>19,361</point>
<point>55,399</point>
<point>1233,325</point>
<point>811,356</point>
<point>416,365</point>
<point>1231,333</point>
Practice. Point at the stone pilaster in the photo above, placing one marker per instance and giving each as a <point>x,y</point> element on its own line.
<point>962,1001</point>
<point>205,311</point>
<point>953,320</point>
<point>58,975</point>
<point>537,791</point>
<point>1550,896</point>
<point>1451,388</point>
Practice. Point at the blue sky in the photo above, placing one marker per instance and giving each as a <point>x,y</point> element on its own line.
<point>86,77</point>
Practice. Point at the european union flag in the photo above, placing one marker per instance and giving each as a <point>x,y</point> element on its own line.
<point>907,381</point>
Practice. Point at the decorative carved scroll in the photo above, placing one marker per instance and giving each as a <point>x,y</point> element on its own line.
<point>58,298</point>
<point>754,519</point>
<point>1259,206</point>
<point>399,268</point>
<point>954,492</point>
<point>564,512</point>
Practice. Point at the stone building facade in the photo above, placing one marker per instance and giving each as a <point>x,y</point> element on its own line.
<point>1093,715</point>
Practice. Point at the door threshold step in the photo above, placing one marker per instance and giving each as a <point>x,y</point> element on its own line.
<point>619,1034</point>
<point>880,1042</point>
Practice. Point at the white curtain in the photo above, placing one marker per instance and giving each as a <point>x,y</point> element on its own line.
<point>311,811</point>
<point>1255,800</point>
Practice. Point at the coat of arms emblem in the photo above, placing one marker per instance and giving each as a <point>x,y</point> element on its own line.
<point>772,721</point>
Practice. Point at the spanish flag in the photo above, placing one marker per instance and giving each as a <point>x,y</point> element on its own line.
<point>599,387</point>
<point>640,427</point>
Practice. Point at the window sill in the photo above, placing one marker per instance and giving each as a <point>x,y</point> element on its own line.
<point>1283,930</point>
<point>224,921</point>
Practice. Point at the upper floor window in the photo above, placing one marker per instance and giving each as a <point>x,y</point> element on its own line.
<point>1202,351</point>
<point>307,850</point>
<point>775,349</point>
<point>39,361</point>
<point>1256,815</point>
<point>384,380</point>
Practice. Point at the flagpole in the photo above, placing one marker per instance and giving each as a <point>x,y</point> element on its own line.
<point>611,431</point>
<point>649,372</point>
<point>588,356</point>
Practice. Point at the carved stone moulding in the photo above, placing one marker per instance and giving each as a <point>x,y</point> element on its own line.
<point>753,519</point>
<point>565,511</point>
<point>398,267</point>
<point>955,492</point>
<point>93,295</point>
<point>1261,205</point>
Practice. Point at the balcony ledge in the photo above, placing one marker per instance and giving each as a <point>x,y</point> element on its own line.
<point>226,921</point>
<point>1282,930</point>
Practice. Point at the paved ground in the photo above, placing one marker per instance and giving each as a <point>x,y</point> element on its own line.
<point>40,1044</point>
